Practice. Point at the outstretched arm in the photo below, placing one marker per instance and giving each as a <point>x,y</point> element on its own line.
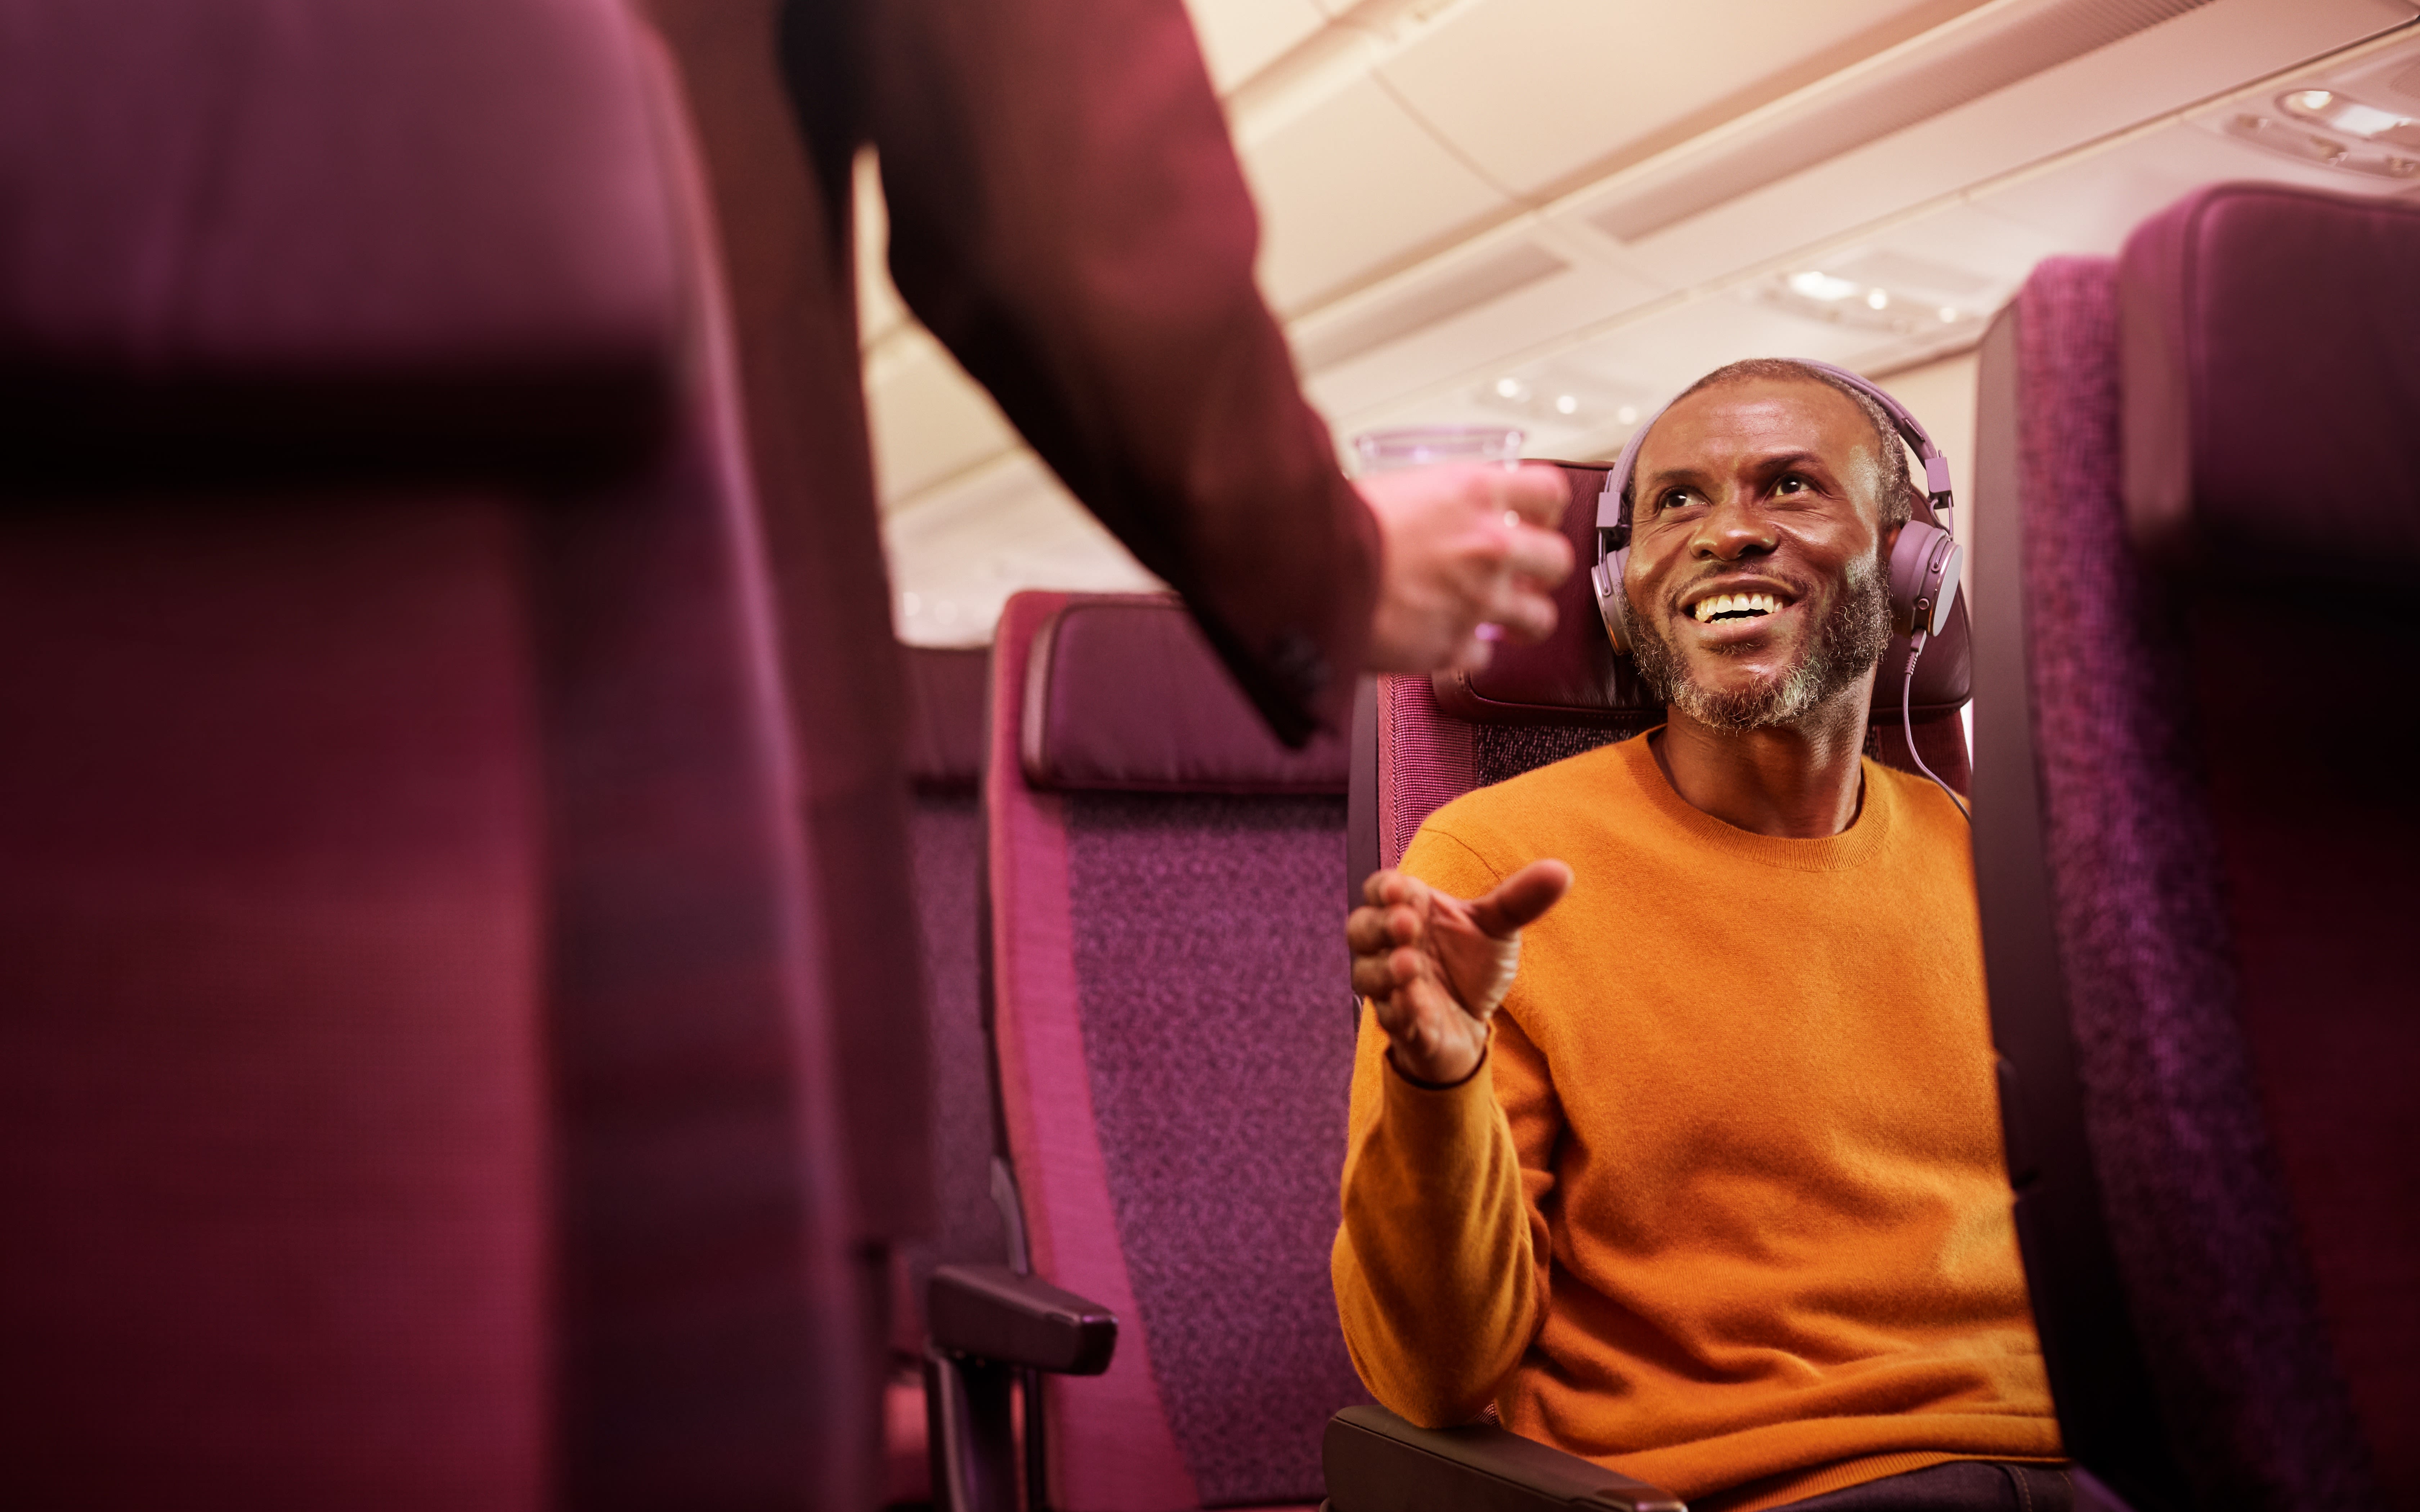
<point>1067,215</point>
<point>1437,1266</point>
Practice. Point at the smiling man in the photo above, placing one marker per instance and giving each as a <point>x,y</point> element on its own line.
<point>1697,1172</point>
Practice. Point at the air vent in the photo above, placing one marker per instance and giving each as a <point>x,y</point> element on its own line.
<point>1517,267</point>
<point>1921,84</point>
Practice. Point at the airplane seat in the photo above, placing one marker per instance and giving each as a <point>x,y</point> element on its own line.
<point>2198,529</point>
<point>412,1087</point>
<point>1421,742</point>
<point>1173,1060</point>
<point>945,688</point>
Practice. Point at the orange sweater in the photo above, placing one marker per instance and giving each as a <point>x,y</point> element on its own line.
<point>1736,1214</point>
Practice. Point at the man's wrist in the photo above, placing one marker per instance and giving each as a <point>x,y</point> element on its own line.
<point>1430,1085</point>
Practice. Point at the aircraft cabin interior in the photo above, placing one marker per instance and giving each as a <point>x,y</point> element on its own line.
<point>1147,755</point>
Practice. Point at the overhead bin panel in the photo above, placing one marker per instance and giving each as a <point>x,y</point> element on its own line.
<point>1543,94</point>
<point>1986,50</point>
<point>1351,190</point>
<point>1350,372</point>
<point>2169,67</point>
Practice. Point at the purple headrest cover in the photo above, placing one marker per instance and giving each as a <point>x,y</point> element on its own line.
<point>1122,693</point>
<point>2269,350</point>
<point>384,215</point>
<point>1574,677</point>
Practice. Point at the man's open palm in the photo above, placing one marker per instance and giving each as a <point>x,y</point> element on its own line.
<point>1436,967</point>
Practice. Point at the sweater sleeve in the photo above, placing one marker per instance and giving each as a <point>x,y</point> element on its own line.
<point>1439,1265</point>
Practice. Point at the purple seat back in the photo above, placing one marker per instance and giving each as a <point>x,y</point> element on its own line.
<point>1422,742</point>
<point>412,1083</point>
<point>2197,480</point>
<point>1172,1057</point>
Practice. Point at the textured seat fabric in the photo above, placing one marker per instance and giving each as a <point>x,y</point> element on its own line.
<point>1174,1062</point>
<point>945,689</point>
<point>1430,740</point>
<point>945,700</point>
<point>2216,885</point>
<point>411,1086</point>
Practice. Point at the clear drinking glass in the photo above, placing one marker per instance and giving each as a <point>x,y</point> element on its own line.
<point>1426,446</point>
<point>1422,446</point>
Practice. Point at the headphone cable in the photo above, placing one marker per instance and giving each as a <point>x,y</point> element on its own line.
<point>1907,724</point>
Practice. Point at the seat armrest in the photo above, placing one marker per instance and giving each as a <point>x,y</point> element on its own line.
<point>991,1313</point>
<point>1376,1462</point>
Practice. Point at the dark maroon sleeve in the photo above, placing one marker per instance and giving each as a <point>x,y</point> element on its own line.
<point>1067,215</point>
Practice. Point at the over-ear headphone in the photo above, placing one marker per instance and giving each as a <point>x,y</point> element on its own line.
<point>1923,565</point>
<point>1924,561</point>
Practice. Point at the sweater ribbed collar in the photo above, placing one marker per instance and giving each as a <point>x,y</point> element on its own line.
<point>1853,847</point>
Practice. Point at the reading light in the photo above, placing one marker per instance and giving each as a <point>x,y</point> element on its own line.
<point>1509,388</point>
<point>1627,415</point>
<point>2325,107</point>
<point>1877,299</point>
<point>1817,285</point>
<point>2360,155</point>
<point>1566,405</point>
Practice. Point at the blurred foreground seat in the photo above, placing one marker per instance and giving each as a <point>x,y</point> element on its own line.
<point>2198,537</point>
<point>412,1091</point>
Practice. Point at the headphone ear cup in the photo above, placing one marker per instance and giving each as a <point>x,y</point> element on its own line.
<point>1605,577</point>
<point>1923,578</point>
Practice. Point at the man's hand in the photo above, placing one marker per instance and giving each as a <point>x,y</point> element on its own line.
<point>1436,967</point>
<point>1466,546</point>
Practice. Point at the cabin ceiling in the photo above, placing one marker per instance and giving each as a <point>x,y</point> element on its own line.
<point>1561,211</point>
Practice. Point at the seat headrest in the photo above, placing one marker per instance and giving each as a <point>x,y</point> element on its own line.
<point>1123,694</point>
<point>2270,353</point>
<point>418,222</point>
<point>1573,677</point>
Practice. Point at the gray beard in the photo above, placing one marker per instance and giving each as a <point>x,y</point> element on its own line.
<point>1846,646</point>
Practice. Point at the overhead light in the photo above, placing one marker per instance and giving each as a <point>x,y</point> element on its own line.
<point>1817,285</point>
<point>1627,415</point>
<point>2295,139</point>
<point>1509,388</point>
<point>1863,305</point>
<point>2341,113</point>
<point>1566,404</point>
